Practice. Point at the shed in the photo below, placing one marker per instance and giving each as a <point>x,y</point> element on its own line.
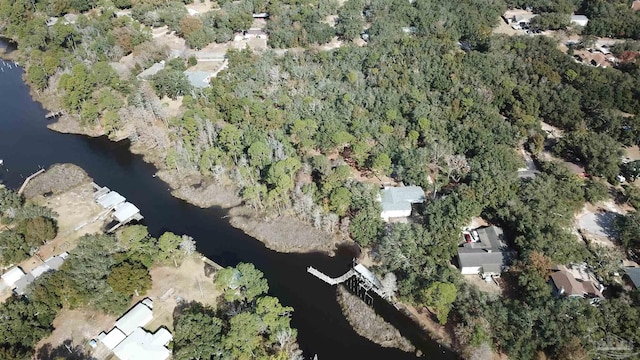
<point>12,276</point>
<point>125,211</point>
<point>633,273</point>
<point>397,201</point>
<point>144,345</point>
<point>113,338</point>
<point>137,316</point>
<point>579,20</point>
<point>111,199</point>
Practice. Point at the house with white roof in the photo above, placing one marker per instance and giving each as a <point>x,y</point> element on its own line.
<point>579,20</point>
<point>130,341</point>
<point>12,276</point>
<point>397,202</point>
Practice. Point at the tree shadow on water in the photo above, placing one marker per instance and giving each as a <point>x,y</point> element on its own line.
<point>66,351</point>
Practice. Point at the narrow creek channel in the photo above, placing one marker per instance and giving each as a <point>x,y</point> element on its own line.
<point>27,145</point>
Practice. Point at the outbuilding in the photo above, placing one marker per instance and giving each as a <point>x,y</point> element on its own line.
<point>579,20</point>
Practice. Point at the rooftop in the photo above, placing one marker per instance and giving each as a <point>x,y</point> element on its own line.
<point>401,198</point>
<point>125,211</point>
<point>144,345</point>
<point>489,251</point>
<point>567,284</point>
<point>111,199</point>
<point>198,79</point>
<point>13,275</point>
<point>154,69</point>
<point>139,315</point>
<point>634,275</point>
<point>367,274</point>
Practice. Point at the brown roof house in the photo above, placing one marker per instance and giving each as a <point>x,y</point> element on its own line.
<point>575,281</point>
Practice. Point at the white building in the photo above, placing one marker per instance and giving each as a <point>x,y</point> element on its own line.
<point>129,341</point>
<point>12,276</point>
<point>397,201</point>
<point>579,20</point>
<point>145,345</point>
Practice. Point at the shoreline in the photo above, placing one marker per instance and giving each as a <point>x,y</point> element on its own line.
<point>269,230</point>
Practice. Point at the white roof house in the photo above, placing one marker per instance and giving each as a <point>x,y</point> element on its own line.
<point>579,20</point>
<point>111,199</point>
<point>13,275</point>
<point>129,341</point>
<point>144,345</point>
<point>396,201</point>
<point>113,338</point>
<point>138,316</point>
<point>125,211</point>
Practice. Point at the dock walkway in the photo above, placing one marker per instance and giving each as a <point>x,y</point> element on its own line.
<point>329,280</point>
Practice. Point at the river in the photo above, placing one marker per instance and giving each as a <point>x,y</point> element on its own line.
<point>27,145</point>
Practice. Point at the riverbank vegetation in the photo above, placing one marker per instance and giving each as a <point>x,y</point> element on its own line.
<point>432,99</point>
<point>370,325</point>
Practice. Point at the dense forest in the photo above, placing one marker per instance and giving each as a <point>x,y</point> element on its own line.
<point>444,106</point>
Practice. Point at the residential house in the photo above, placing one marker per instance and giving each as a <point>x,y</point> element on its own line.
<point>579,20</point>
<point>128,340</point>
<point>12,276</point>
<point>52,263</point>
<point>397,201</point>
<point>148,73</point>
<point>484,252</point>
<point>575,281</point>
<point>635,6</point>
<point>632,274</point>
<point>198,79</point>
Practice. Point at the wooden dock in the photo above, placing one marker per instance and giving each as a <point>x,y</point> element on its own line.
<point>26,181</point>
<point>330,280</point>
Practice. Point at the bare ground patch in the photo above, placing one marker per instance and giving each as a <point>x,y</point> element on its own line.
<point>79,326</point>
<point>191,281</point>
<point>368,324</point>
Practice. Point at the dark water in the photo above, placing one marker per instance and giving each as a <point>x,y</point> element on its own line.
<point>27,145</point>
